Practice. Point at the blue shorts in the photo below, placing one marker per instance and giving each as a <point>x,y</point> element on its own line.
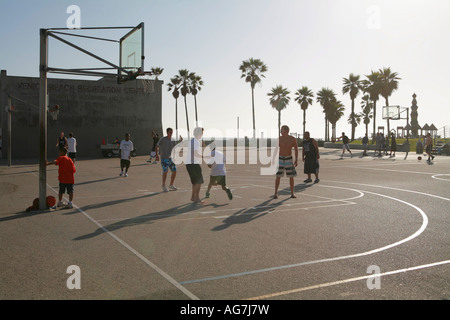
<point>168,164</point>
<point>65,186</point>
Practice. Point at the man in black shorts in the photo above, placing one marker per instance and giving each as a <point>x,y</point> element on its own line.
<point>193,160</point>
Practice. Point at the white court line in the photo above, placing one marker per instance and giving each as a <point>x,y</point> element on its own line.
<point>414,235</point>
<point>136,253</point>
<point>441,174</point>
<point>329,284</point>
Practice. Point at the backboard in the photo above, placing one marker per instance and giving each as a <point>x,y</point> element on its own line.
<point>391,112</point>
<point>131,54</point>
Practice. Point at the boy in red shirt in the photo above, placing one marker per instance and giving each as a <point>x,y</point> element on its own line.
<point>65,176</point>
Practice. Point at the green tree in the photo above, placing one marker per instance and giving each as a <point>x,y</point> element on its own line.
<point>174,86</point>
<point>372,86</point>
<point>253,70</point>
<point>389,83</point>
<point>366,113</point>
<point>185,82</point>
<point>325,97</point>
<point>304,97</point>
<point>279,100</point>
<point>156,72</point>
<point>335,112</point>
<point>196,86</point>
<point>352,86</point>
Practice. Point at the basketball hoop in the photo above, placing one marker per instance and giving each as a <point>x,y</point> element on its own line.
<point>147,83</point>
<point>54,112</point>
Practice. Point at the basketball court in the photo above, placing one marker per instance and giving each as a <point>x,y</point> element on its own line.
<point>130,240</point>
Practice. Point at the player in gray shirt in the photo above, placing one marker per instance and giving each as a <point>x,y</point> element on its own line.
<point>164,149</point>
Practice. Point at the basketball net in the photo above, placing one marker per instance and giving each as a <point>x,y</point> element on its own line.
<point>54,112</point>
<point>147,83</point>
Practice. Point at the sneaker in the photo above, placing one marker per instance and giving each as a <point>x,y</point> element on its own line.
<point>154,162</point>
<point>230,195</point>
<point>307,180</point>
<point>165,189</point>
<point>317,180</point>
<point>126,174</point>
<point>69,205</point>
<point>207,195</point>
<point>173,188</point>
<point>60,204</point>
<point>121,173</point>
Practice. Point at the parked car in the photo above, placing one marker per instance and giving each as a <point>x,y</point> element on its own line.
<point>112,149</point>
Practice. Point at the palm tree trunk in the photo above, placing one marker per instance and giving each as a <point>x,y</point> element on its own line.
<point>304,121</point>
<point>279,122</point>
<point>353,119</point>
<point>196,117</point>
<point>374,120</point>
<point>187,117</point>
<point>176,119</point>
<point>388,129</point>
<point>253,112</point>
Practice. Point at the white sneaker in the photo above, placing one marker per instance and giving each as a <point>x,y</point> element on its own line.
<point>69,205</point>
<point>173,188</point>
<point>60,204</point>
<point>121,173</point>
<point>165,189</point>
<point>126,174</point>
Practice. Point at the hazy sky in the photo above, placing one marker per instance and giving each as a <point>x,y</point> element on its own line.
<point>313,43</point>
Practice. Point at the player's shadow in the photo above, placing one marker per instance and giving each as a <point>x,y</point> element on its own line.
<point>146,218</point>
<point>96,181</point>
<point>249,214</point>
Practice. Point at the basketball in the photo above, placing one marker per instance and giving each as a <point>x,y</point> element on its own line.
<point>51,201</point>
<point>36,203</point>
<point>419,158</point>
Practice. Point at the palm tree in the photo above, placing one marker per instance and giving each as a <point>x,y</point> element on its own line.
<point>253,70</point>
<point>352,85</point>
<point>196,86</point>
<point>334,113</point>
<point>304,97</point>
<point>366,114</point>
<point>389,83</point>
<point>174,86</point>
<point>156,72</point>
<point>185,82</point>
<point>325,96</point>
<point>372,85</point>
<point>279,100</point>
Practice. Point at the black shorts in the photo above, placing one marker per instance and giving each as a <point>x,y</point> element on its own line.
<point>195,173</point>
<point>124,163</point>
<point>217,180</point>
<point>65,186</point>
<point>72,155</point>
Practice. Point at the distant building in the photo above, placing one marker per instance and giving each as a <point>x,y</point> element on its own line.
<point>95,111</point>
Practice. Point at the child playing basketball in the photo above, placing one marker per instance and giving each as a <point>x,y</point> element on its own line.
<point>66,178</point>
<point>218,172</point>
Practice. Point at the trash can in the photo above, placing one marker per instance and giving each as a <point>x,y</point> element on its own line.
<point>419,147</point>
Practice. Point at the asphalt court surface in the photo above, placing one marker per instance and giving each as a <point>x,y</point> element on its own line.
<point>131,240</point>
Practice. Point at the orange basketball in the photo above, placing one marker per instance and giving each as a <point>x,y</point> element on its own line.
<point>419,158</point>
<point>51,201</point>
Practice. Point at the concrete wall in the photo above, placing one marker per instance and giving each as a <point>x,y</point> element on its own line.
<point>93,110</point>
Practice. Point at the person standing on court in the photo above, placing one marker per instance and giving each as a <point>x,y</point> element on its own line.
<point>72,147</point>
<point>393,144</point>
<point>125,149</point>
<point>365,142</point>
<point>163,150</point>
<point>193,160</point>
<point>429,146</point>
<point>310,156</point>
<point>345,141</point>
<point>61,141</point>
<point>155,139</point>
<point>286,164</point>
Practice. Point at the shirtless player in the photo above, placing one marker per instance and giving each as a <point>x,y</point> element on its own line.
<point>286,143</point>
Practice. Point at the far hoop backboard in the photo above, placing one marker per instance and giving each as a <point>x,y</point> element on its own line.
<point>391,112</point>
<point>131,54</point>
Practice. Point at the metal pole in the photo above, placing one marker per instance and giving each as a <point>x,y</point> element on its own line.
<point>9,131</point>
<point>43,119</point>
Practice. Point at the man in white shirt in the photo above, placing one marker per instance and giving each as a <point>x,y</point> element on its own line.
<point>72,147</point>
<point>126,146</point>
<point>218,172</point>
<point>193,160</point>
